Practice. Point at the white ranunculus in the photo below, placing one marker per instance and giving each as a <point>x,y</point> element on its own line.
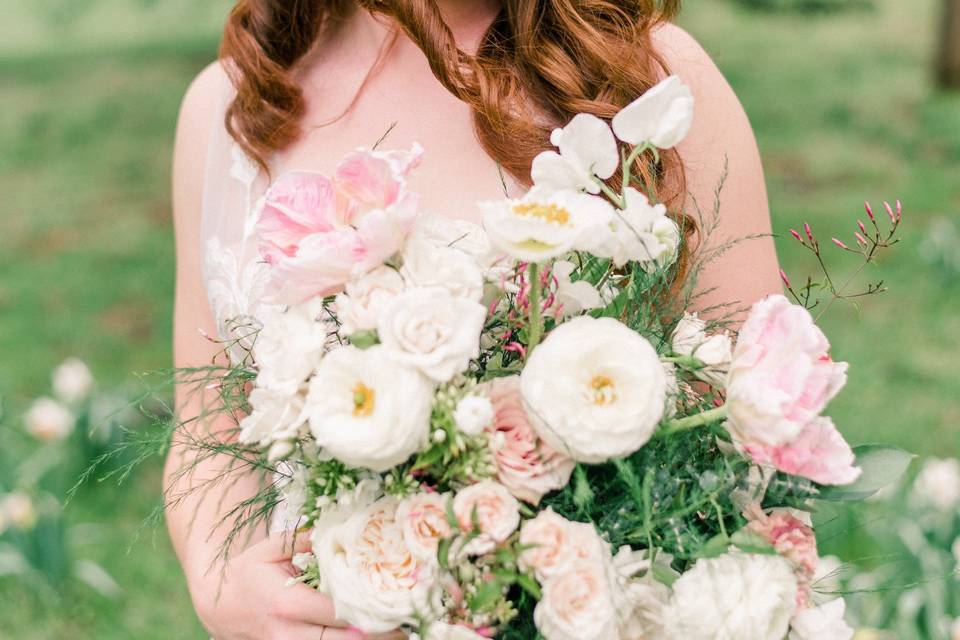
<point>544,225</point>
<point>714,351</point>
<point>938,484</point>
<point>72,381</point>
<point>48,420</point>
<point>574,297</point>
<point>444,631</point>
<point>433,331</point>
<point>366,409</point>
<point>641,232</point>
<point>361,304</point>
<point>427,265</point>
<point>276,417</point>
<point>578,604</point>
<point>368,571</point>
<point>290,345</point>
<point>662,116</point>
<point>588,150</point>
<point>594,389</point>
<point>735,596</point>
<point>821,623</point>
<point>554,544</point>
<point>490,506</point>
<point>473,414</point>
<point>423,520</point>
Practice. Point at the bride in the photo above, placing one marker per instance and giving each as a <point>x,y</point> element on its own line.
<point>479,84</point>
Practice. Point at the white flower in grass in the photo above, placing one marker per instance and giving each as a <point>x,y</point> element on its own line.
<point>578,604</point>
<point>276,417</point>
<point>72,381</point>
<point>473,414</point>
<point>821,623</point>
<point>735,596</point>
<point>17,510</point>
<point>48,420</point>
<point>490,507</point>
<point>374,580</point>
<point>662,116</point>
<point>938,484</point>
<point>588,151</point>
<point>574,297</point>
<point>433,331</point>
<point>714,351</point>
<point>423,520</point>
<point>641,232</point>
<point>544,225</point>
<point>360,306</point>
<point>367,410</point>
<point>428,265</point>
<point>594,389</point>
<point>290,345</point>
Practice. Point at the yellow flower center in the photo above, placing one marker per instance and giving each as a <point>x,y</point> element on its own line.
<point>548,212</point>
<point>363,400</point>
<point>603,389</point>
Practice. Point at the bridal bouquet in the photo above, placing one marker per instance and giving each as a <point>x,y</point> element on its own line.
<point>519,430</point>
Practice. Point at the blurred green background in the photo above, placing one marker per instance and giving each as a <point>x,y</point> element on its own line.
<point>844,106</point>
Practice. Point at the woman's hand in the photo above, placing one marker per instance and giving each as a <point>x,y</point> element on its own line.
<point>252,601</point>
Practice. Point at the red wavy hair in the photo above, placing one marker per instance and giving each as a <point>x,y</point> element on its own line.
<point>540,63</point>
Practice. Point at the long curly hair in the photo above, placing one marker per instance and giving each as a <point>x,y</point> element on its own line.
<point>539,63</point>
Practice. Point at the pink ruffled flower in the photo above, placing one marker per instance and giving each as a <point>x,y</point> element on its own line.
<point>526,466</point>
<point>317,233</point>
<point>819,453</point>
<point>781,376</point>
<point>793,539</point>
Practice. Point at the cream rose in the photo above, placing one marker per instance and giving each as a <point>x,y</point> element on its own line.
<point>367,410</point>
<point>714,351</point>
<point>594,389</point>
<point>526,466</point>
<point>578,604</point>
<point>366,568</point>
<point>497,514</point>
<point>427,265</point>
<point>360,306</point>
<point>290,344</point>
<point>556,544</point>
<point>735,596</point>
<point>423,521</point>
<point>433,331</point>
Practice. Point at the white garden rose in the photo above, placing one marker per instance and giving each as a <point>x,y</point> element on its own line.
<point>290,344</point>
<point>735,596</point>
<point>276,417</point>
<point>662,116</point>
<point>714,351</point>
<point>594,389</point>
<point>48,420</point>
<point>574,298</point>
<point>423,520</point>
<point>473,414</point>
<point>588,151</point>
<point>554,544</point>
<point>578,604</point>
<point>821,623</point>
<point>368,571</point>
<point>444,631</point>
<point>72,381</point>
<point>433,331</point>
<point>360,305</point>
<point>427,265</point>
<point>367,410</point>
<point>496,511</point>
<point>545,224</point>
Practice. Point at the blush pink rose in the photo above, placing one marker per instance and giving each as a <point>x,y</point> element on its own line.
<point>496,511</point>
<point>526,466</point>
<point>794,539</point>
<point>819,453</point>
<point>782,376</point>
<point>317,233</point>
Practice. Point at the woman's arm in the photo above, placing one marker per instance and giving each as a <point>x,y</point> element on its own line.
<point>721,138</point>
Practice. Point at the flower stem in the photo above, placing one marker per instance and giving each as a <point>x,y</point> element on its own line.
<point>533,273</point>
<point>694,421</point>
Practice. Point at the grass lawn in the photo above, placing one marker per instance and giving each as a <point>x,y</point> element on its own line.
<point>843,110</point>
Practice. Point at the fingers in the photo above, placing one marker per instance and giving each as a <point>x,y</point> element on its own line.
<point>313,632</point>
<point>282,545</point>
<point>299,603</point>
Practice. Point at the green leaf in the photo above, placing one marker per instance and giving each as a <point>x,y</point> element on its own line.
<point>529,585</point>
<point>487,594</point>
<point>364,339</point>
<point>882,465</point>
<point>443,551</point>
<point>715,546</point>
<point>752,542</point>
